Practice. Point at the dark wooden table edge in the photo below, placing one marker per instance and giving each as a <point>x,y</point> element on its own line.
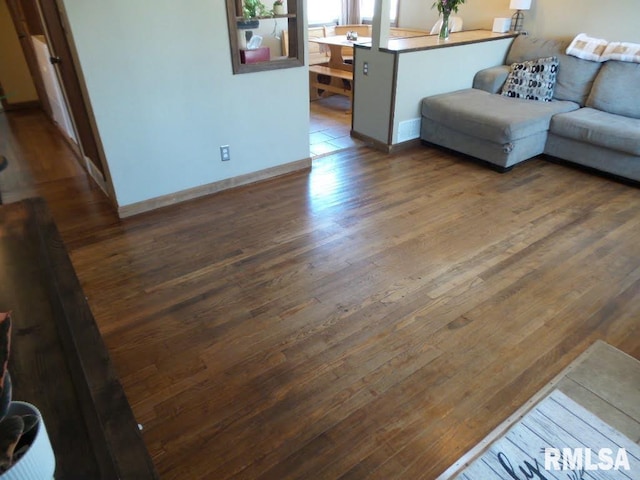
<point>117,442</point>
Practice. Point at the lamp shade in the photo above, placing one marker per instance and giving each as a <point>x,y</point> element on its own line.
<point>520,5</point>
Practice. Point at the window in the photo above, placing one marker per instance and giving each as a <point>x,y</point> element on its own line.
<point>366,11</point>
<point>323,12</point>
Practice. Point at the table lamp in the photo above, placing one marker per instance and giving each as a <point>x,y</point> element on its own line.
<point>518,18</point>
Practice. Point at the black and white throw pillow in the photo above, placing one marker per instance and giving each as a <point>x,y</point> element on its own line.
<point>532,80</point>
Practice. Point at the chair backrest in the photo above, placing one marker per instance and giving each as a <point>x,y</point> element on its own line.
<point>285,43</point>
<point>317,53</point>
<point>455,25</point>
<point>363,30</point>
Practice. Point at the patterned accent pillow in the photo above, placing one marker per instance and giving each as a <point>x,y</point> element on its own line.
<point>532,80</point>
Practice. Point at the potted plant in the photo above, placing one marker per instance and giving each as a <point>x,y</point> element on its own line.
<point>251,11</point>
<point>278,7</point>
<point>25,449</point>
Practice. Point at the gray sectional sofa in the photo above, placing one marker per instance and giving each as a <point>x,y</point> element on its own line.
<point>593,119</point>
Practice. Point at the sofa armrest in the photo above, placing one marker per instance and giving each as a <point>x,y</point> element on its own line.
<point>491,79</point>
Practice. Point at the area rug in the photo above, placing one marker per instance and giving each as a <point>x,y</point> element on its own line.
<point>558,439</point>
<point>583,425</point>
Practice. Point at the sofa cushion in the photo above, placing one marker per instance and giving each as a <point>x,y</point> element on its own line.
<point>599,128</point>
<point>525,47</point>
<point>491,79</point>
<point>575,79</point>
<point>617,89</point>
<point>532,80</point>
<point>575,76</point>
<point>490,116</point>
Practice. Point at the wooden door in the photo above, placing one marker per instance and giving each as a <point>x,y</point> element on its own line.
<point>62,59</point>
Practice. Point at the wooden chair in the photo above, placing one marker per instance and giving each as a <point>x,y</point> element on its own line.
<point>318,54</point>
<point>361,29</point>
<point>284,39</point>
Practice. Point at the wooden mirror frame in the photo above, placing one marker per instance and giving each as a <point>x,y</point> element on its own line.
<point>295,22</point>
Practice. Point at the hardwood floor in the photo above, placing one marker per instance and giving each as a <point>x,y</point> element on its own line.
<point>374,318</point>
<point>330,126</point>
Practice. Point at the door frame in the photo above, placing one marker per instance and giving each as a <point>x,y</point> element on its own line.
<point>49,18</point>
<point>66,64</point>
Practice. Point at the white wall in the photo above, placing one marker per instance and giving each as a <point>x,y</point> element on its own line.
<point>372,117</point>
<point>614,20</point>
<point>160,82</point>
<point>475,13</point>
<point>611,19</point>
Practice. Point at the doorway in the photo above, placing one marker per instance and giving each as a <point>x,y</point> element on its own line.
<point>329,114</point>
<point>330,125</point>
<point>48,50</point>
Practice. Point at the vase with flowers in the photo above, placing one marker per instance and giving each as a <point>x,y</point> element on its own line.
<point>445,7</point>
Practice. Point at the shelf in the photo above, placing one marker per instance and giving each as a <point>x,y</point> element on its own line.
<point>287,15</point>
<point>293,35</point>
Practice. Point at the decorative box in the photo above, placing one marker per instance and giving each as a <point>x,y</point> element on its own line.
<point>260,54</point>
<point>501,25</point>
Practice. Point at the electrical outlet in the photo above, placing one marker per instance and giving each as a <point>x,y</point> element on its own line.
<point>225,154</point>
<point>365,68</point>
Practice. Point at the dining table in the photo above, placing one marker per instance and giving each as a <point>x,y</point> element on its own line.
<point>336,44</point>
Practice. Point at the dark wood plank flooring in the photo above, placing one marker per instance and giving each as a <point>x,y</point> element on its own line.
<point>374,318</point>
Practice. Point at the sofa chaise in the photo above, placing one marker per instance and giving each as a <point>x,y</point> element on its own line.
<point>592,118</point>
